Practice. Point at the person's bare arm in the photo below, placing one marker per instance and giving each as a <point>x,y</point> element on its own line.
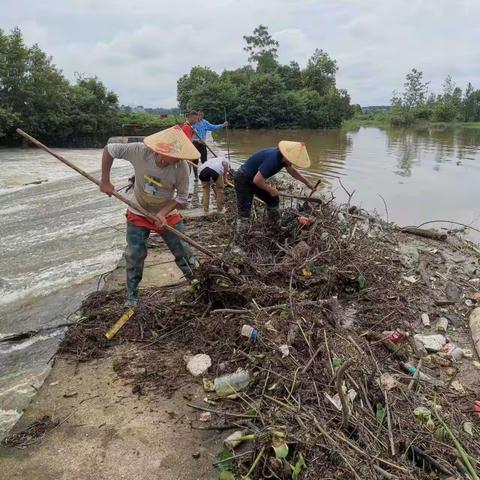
<point>298,176</point>
<point>105,184</point>
<point>260,182</point>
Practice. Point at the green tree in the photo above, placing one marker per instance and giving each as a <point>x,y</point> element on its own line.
<point>291,76</point>
<point>449,105</point>
<point>262,49</point>
<point>186,85</point>
<point>471,104</point>
<point>31,87</point>
<point>319,75</point>
<point>263,107</point>
<point>213,98</point>
<point>94,111</point>
<point>8,120</point>
<point>416,89</point>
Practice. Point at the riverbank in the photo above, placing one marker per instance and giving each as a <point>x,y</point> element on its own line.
<point>315,307</point>
<point>384,122</point>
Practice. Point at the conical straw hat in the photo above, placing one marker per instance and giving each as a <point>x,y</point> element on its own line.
<point>172,142</point>
<point>295,152</point>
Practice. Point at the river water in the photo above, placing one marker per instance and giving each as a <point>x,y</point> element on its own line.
<point>59,235</point>
<point>422,175</point>
<point>56,238</point>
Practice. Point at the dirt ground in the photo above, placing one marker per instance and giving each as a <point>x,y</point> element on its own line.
<point>106,431</point>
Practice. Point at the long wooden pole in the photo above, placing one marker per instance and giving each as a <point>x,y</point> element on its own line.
<point>120,197</point>
<point>228,140</point>
<point>210,150</point>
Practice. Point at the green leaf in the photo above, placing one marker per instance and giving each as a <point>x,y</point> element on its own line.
<point>279,445</point>
<point>380,413</point>
<point>362,282</point>
<point>336,362</point>
<point>224,465</point>
<point>423,414</point>
<point>226,475</point>
<point>441,434</point>
<point>300,463</point>
<point>281,451</point>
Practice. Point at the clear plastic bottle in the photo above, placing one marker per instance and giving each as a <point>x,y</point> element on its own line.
<point>231,383</point>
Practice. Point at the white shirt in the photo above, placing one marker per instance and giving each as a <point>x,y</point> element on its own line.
<point>218,164</point>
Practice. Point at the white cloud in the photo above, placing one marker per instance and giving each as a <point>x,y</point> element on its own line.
<point>140,48</point>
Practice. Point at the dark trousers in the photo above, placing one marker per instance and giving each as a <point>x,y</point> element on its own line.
<point>208,174</point>
<point>202,148</point>
<point>136,253</point>
<point>245,189</point>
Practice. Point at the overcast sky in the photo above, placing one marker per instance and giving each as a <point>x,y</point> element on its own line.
<point>139,48</point>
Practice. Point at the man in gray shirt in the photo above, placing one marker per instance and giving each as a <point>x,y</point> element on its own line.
<point>161,185</point>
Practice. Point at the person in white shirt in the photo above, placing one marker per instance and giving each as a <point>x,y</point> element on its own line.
<point>214,172</point>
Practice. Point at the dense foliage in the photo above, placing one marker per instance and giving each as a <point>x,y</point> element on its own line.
<point>35,96</point>
<point>416,103</point>
<point>266,93</point>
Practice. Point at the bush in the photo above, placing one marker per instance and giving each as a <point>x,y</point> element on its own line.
<point>422,113</point>
<point>402,119</point>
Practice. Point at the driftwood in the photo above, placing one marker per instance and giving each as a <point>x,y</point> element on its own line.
<point>423,232</point>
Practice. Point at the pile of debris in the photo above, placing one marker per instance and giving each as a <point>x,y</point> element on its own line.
<point>337,347</point>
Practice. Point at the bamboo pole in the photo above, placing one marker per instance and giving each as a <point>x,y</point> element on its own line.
<point>112,331</point>
<point>119,196</point>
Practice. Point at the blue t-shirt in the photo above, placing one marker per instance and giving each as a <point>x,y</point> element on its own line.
<point>267,161</point>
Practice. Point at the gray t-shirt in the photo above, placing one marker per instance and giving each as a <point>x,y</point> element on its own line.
<point>154,185</point>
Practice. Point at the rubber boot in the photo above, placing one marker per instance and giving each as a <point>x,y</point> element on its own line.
<point>273,214</point>
<point>241,229</point>
<point>206,196</point>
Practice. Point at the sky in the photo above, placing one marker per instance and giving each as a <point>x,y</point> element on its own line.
<point>139,48</point>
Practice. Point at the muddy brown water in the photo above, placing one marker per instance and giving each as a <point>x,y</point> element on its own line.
<point>423,175</point>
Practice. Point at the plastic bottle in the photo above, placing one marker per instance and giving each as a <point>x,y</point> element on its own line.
<point>249,332</point>
<point>231,383</point>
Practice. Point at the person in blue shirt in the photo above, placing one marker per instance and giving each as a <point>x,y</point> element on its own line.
<point>251,179</point>
<point>201,128</point>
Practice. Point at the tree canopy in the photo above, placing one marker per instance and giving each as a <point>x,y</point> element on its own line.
<point>35,96</point>
<point>266,94</point>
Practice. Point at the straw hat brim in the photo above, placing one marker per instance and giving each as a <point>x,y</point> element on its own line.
<point>172,142</point>
<point>295,152</point>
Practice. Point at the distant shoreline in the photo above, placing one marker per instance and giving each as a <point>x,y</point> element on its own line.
<point>384,123</point>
